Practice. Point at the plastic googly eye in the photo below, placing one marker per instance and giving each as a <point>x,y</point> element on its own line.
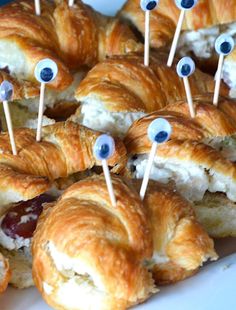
<point>148,5</point>
<point>104,147</point>
<point>159,130</point>
<point>6,91</point>
<point>224,44</point>
<point>185,67</point>
<point>46,70</point>
<point>186,4</point>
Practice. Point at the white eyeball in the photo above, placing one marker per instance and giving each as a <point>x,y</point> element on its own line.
<point>148,5</point>
<point>224,44</point>
<point>46,70</point>
<point>6,91</point>
<point>159,130</point>
<point>185,67</point>
<point>186,4</point>
<point>104,147</point>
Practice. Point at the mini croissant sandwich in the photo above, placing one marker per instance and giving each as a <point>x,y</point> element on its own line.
<point>211,125</point>
<point>200,173</point>
<point>107,264</point>
<point>202,25</point>
<point>33,177</point>
<point>74,37</point>
<point>121,89</point>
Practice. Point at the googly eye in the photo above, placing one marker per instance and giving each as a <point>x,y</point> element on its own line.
<point>186,4</point>
<point>185,67</point>
<point>45,70</point>
<point>224,44</point>
<point>104,147</point>
<point>159,130</point>
<point>148,5</point>
<point>6,91</point>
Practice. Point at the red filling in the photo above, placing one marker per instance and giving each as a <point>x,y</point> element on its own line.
<point>15,226</point>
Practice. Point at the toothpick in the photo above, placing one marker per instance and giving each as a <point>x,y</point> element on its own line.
<point>148,170</point>
<point>176,39</point>
<point>189,96</point>
<point>71,2</point>
<point>37,7</point>
<point>9,126</point>
<point>40,113</point>
<point>218,80</point>
<point>147,38</point>
<point>109,182</point>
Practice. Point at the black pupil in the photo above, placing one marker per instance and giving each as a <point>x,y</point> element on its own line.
<point>46,74</point>
<point>185,70</point>
<point>187,4</point>
<point>104,151</point>
<point>151,5</point>
<point>225,47</point>
<point>161,136</point>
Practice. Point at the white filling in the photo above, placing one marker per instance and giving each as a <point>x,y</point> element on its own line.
<point>192,180</point>
<point>12,57</point>
<point>12,244</point>
<point>201,42</point>
<point>94,115</point>
<point>229,76</point>
<point>33,123</point>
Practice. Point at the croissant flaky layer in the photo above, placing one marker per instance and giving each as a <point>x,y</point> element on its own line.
<point>104,261</point>
<point>163,20</point>
<point>71,36</point>
<point>124,84</point>
<point>209,122</point>
<point>65,148</point>
<point>111,243</point>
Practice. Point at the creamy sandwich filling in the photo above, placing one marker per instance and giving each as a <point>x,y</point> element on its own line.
<point>193,181</point>
<point>201,42</point>
<point>94,115</point>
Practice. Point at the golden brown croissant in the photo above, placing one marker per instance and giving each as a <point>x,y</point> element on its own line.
<point>201,174</point>
<point>211,125</point>
<point>121,89</point>
<point>181,245</point>
<point>102,267</point>
<point>164,18</point>
<point>5,273</point>
<point>66,148</point>
<point>71,36</point>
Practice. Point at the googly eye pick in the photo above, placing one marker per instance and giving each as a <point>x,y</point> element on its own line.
<point>186,4</point>
<point>185,67</point>
<point>159,130</point>
<point>104,147</point>
<point>224,44</point>
<point>6,91</point>
<point>46,70</point>
<point>148,5</point>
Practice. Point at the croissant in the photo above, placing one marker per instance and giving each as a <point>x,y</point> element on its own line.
<point>180,243</point>
<point>106,272</point>
<point>121,89</point>
<point>5,273</point>
<point>211,125</point>
<point>163,20</point>
<point>66,148</point>
<point>72,37</point>
<point>201,174</point>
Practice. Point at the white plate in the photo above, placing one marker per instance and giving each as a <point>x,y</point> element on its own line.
<point>212,288</point>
